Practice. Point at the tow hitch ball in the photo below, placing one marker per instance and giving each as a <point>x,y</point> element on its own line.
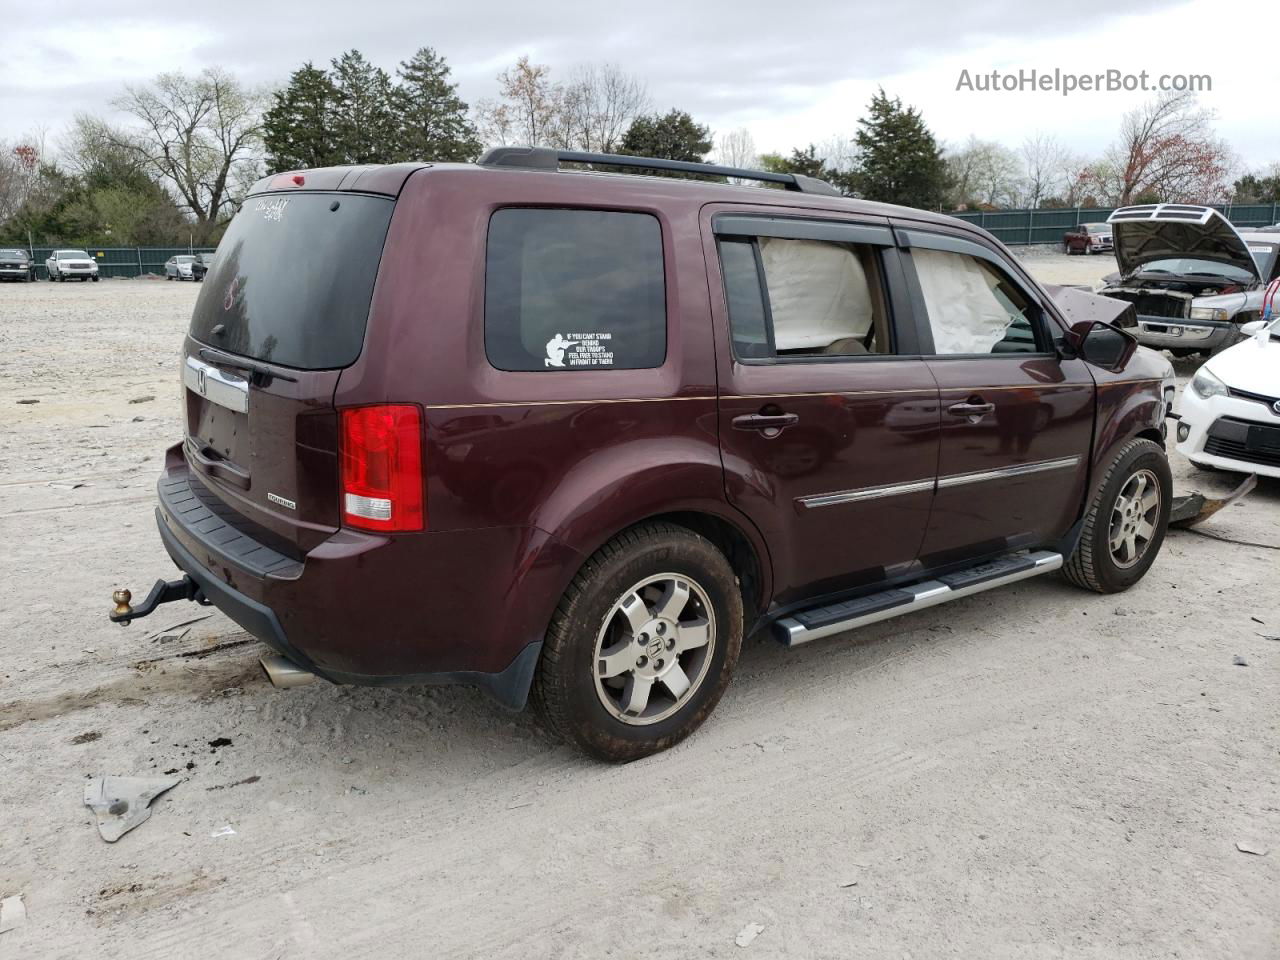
<point>164,591</point>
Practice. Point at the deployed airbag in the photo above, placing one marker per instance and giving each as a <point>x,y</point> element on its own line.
<point>966,311</point>
<point>818,293</point>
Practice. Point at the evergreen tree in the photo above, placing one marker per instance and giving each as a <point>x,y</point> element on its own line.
<point>433,118</point>
<point>364,126</point>
<point>674,136</point>
<point>298,128</point>
<point>898,159</point>
<point>805,162</point>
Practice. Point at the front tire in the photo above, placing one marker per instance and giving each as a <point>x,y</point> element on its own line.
<point>1126,523</point>
<point>642,644</point>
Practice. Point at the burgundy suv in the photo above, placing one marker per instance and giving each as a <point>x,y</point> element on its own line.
<point>574,434</point>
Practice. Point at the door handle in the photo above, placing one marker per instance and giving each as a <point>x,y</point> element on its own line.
<point>974,408</point>
<point>770,424</point>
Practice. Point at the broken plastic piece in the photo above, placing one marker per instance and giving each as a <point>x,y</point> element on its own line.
<point>121,803</point>
<point>13,913</point>
<point>1196,508</point>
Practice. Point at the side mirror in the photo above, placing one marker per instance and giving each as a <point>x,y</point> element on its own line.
<point>1099,343</point>
<point>1254,326</point>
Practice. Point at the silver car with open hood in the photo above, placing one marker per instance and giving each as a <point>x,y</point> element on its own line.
<point>1192,277</point>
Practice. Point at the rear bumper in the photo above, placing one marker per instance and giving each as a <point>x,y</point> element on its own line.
<point>343,611</point>
<point>1174,333</point>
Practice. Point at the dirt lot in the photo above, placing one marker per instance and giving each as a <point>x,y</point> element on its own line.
<point>1032,772</point>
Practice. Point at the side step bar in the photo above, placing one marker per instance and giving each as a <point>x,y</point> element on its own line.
<point>838,617</point>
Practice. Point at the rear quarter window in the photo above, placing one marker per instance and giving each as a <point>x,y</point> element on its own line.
<point>574,290</point>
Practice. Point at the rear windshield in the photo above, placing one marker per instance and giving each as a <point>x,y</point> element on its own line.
<point>293,279</point>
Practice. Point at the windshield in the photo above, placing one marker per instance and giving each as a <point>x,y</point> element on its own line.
<point>1097,228</point>
<point>185,259</point>
<point>13,253</point>
<point>1264,255</point>
<point>293,279</point>
<point>71,255</point>
<point>1187,265</point>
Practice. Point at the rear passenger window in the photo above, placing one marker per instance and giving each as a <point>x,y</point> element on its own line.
<point>817,298</point>
<point>574,290</point>
<point>973,308</point>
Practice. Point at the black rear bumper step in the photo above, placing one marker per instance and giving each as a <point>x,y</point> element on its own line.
<point>838,617</point>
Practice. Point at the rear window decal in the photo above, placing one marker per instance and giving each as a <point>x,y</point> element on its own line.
<point>272,210</point>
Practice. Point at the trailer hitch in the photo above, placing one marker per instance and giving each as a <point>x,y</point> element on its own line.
<point>164,591</point>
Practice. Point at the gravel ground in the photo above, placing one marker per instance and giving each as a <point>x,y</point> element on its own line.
<point>1032,772</point>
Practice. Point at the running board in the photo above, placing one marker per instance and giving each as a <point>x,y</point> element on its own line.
<point>838,617</point>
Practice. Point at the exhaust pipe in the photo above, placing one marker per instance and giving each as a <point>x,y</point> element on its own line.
<point>284,673</point>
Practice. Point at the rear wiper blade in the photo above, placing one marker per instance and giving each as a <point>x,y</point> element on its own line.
<point>242,363</point>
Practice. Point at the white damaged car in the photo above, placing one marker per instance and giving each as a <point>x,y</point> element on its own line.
<point>1194,279</point>
<point>1229,417</point>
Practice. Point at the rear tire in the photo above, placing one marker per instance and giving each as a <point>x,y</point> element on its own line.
<point>642,644</point>
<point>1126,523</point>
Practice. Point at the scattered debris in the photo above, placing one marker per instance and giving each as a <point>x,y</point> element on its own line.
<point>361,791</point>
<point>1196,508</point>
<point>138,419</point>
<point>223,832</point>
<point>219,742</point>
<point>1248,846</point>
<point>1239,661</point>
<point>239,783</point>
<point>747,934</point>
<point>1256,620</point>
<point>28,401</point>
<point>87,737</point>
<point>121,803</point>
<point>518,804</point>
<point>170,636</point>
<point>846,884</point>
<point>147,399</point>
<point>13,913</point>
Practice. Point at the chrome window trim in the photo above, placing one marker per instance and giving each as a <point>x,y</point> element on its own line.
<point>216,386</point>
<point>941,483</point>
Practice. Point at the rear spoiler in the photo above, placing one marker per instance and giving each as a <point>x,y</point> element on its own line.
<point>387,179</point>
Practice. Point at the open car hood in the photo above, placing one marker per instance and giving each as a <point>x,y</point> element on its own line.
<point>1162,231</point>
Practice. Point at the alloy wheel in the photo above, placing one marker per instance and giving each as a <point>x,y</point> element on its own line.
<point>1133,518</point>
<point>654,649</point>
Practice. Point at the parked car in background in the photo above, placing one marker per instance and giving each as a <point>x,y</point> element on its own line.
<point>15,264</point>
<point>200,265</point>
<point>572,436</point>
<point>1192,276</point>
<point>71,265</point>
<point>1087,238</point>
<point>1230,411</point>
<point>180,267</point>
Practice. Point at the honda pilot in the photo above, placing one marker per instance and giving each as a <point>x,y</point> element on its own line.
<point>562,429</point>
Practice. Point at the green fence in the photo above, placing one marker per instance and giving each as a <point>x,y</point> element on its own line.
<point>1048,226</point>
<point>115,261</point>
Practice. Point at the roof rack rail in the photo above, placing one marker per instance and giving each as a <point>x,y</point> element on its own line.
<point>548,158</point>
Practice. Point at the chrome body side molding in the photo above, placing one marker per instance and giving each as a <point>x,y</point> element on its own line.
<point>921,486</point>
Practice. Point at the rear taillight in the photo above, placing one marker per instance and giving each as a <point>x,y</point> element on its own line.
<point>382,468</point>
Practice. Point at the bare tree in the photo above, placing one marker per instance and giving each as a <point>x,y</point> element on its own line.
<point>1047,165</point>
<point>1167,149</point>
<point>591,112</point>
<point>527,110</point>
<point>984,172</point>
<point>201,135</point>
<point>597,107</point>
<point>24,173</point>
<point>737,148</point>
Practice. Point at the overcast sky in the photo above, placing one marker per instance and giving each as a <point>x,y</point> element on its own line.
<point>789,73</point>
